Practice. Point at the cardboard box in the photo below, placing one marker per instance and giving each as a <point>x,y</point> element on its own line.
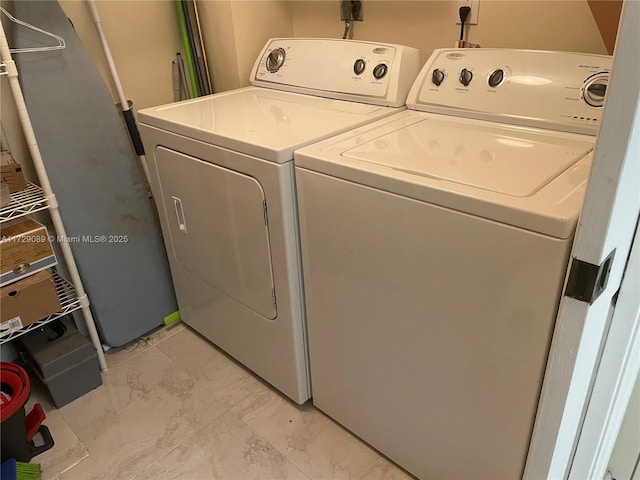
<point>5,195</point>
<point>24,249</point>
<point>11,173</point>
<point>27,301</point>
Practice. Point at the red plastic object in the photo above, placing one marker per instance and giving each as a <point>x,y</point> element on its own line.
<point>16,378</point>
<point>33,421</point>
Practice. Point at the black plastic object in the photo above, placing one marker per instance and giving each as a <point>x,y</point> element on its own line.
<point>133,131</point>
<point>15,386</point>
<point>586,281</point>
<point>464,13</point>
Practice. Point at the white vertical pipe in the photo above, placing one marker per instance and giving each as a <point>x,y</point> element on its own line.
<point>25,121</point>
<point>107,54</point>
<point>116,80</point>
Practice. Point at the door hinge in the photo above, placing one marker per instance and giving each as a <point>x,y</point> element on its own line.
<point>587,281</point>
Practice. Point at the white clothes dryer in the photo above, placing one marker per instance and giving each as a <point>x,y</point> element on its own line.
<point>222,175</point>
<point>434,246</point>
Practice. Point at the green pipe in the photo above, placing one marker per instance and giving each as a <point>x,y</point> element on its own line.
<point>187,49</point>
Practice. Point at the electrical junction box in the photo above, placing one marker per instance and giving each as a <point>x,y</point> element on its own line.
<point>351,10</point>
<point>472,19</point>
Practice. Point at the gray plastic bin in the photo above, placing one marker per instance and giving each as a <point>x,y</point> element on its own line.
<point>67,366</point>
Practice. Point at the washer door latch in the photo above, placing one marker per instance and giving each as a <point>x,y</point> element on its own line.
<point>587,281</point>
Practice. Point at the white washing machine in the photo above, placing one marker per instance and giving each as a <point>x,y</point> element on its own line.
<point>434,250</point>
<point>222,175</point>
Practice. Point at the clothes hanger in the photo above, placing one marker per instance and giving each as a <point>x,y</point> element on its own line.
<point>61,43</point>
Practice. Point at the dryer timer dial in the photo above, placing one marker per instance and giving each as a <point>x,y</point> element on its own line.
<point>359,66</point>
<point>466,76</point>
<point>275,59</point>
<point>437,77</point>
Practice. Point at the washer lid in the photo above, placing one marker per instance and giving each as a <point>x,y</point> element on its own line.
<point>268,124</point>
<point>525,177</point>
<point>500,159</point>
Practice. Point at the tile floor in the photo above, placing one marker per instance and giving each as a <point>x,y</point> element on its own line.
<point>173,407</point>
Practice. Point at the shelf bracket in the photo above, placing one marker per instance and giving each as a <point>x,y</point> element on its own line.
<point>8,68</point>
<point>52,201</point>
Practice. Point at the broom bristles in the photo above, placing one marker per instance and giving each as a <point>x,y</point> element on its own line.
<point>27,471</point>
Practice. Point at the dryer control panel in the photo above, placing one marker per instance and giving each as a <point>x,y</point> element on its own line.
<point>375,73</point>
<point>557,90</point>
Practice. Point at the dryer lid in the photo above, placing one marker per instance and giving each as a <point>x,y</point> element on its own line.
<point>268,124</point>
<point>502,159</point>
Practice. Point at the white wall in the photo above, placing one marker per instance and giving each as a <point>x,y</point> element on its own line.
<point>144,35</point>
<point>429,24</point>
<point>235,31</point>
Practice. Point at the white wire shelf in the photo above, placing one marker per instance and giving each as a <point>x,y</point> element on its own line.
<point>24,202</point>
<point>68,302</point>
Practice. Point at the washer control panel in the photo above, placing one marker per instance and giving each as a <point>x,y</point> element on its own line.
<point>342,69</point>
<point>559,90</point>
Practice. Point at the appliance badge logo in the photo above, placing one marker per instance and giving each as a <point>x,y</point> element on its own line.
<point>455,56</point>
<point>380,50</point>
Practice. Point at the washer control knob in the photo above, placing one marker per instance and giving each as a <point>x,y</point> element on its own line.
<point>496,78</point>
<point>358,66</point>
<point>437,76</point>
<point>595,90</point>
<point>380,71</point>
<point>465,77</point>
<point>275,59</point>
